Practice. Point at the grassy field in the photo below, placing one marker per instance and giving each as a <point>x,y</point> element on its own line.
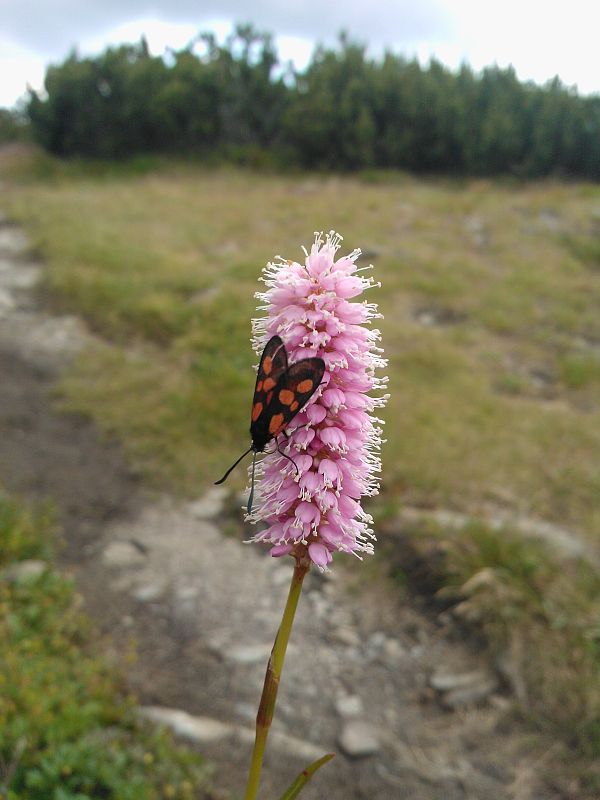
<point>492,328</point>
<point>490,296</point>
<point>67,730</point>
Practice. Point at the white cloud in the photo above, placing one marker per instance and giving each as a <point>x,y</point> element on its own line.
<point>539,38</point>
<point>159,34</point>
<point>50,24</point>
<point>19,66</point>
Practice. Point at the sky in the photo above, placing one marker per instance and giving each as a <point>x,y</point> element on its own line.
<point>540,39</point>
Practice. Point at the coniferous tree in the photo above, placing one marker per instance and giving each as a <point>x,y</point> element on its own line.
<point>344,111</point>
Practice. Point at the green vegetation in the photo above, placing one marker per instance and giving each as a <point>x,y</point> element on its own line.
<point>239,103</point>
<point>67,731</point>
<point>13,126</point>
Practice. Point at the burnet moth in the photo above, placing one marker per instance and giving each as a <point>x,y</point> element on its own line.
<point>281,391</point>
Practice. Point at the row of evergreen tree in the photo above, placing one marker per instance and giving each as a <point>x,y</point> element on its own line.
<point>344,111</point>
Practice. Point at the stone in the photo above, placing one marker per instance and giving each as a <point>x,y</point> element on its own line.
<point>476,228</point>
<point>349,705</point>
<point>375,645</point>
<point>444,681</point>
<point>23,571</point>
<point>248,711</point>
<point>25,277</point>
<point>463,689</point>
<point>320,604</point>
<point>292,745</point>
<point>394,651</point>
<point>346,635</point>
<point>376,640</point>
<point>122,554</point>
<point>7,302</point>
<point>469,695</point>
<point>248,654</point>
<point>211,504</point>
<point>13,241</point>
<point>203,730</point>
<point>359,739</point>
<point>148,592</point>
<point>549,219</point>
<point>196,729</point>
<point>425,317</point>
<point>438,316</point>
<point>187,592</point>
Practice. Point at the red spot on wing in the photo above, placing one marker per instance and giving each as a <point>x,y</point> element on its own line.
<point>276,423</point>
<point>286,397</point>
<point>305,386</point>
<point>256,411</point>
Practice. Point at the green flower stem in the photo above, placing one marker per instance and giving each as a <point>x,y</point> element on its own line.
<point>268,699</point>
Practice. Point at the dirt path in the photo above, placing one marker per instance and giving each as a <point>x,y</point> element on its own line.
<point>366,674</point>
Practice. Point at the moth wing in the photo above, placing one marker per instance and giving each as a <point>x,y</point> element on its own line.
<point>295,387</point>
<point>273,363</point>
<point>303,379</point>
<point>272,366</point>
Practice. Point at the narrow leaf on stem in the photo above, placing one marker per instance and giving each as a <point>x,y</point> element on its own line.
<point>304,777</point>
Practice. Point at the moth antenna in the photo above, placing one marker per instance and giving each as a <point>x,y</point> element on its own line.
<point>251,498</point>
<point>233,466</point>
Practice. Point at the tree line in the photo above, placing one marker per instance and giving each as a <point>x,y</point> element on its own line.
<point>345,111</point>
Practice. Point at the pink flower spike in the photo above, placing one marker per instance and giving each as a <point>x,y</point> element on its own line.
<point>313,510</point>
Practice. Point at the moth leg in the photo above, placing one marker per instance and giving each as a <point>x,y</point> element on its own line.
<point>280,451</point>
